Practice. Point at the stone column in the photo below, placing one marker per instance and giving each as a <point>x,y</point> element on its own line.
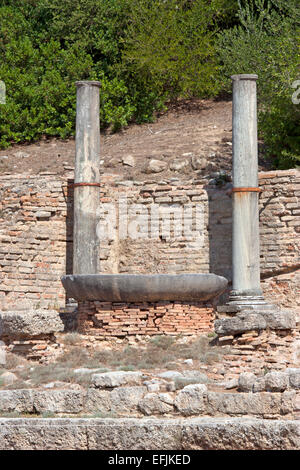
<point>87,179</point>
<point>245,244</point>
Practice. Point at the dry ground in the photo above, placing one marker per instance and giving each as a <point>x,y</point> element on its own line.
<point>198,127</point>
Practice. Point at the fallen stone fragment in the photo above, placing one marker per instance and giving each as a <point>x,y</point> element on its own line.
<point>116,379</point>
<point>155,166</point>
<point>199,163</point>
<point>246,381</point>
<point>233,383</point>
<point>259,385</point>
<point>26,323</point>
<point>276,381</point>
<point>295,380</point>
<point>8,378</point>
<point>128,160</point>
<point>171,375</point>
<point>178,164</point>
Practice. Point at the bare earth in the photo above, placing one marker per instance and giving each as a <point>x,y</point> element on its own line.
<point>200,128</point>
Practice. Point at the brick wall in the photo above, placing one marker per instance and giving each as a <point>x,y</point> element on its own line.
<point>36,235</point>
<point>104,319</point>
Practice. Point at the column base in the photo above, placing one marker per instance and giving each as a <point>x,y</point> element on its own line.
<point>246,298</point>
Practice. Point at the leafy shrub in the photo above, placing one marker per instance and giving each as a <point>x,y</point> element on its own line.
<point>46,45</point>
<point>266,42</point>
<point>170,44</point>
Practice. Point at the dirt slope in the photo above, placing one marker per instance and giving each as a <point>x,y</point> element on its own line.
<point>198,128</point>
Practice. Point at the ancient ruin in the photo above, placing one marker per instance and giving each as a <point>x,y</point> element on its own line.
<point>236,281</point>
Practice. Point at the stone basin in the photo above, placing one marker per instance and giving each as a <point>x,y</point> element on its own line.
<point>143,287</point>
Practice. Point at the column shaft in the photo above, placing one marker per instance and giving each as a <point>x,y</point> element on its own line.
<point>86,196</point>
<point>245,243</point>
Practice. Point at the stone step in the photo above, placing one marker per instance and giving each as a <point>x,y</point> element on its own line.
<point>149,434</point>
<point>137,401</point>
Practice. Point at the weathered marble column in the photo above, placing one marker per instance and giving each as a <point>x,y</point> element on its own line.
<point>87,179</point>
<point>245,245</point>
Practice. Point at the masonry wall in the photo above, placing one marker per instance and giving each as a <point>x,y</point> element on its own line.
<point>120,319</point>
<point>36,215</point>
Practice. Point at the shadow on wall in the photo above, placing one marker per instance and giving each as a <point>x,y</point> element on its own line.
<point>220,234</point>
<point>69,196</point>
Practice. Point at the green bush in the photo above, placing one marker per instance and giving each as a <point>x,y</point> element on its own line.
<point>170,45</point>
<point>46,45</point>
<point>266,42</point>
<point>145,53</point>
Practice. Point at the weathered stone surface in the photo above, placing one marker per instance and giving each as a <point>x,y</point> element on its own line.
<point>97,401</point>
<point>259,385</point>
<point>295,380</point>
<point>8,378</point>
<point>171,375</point>
<point>240,434</point>
<point>128,160</point>
<point>144,287</point>
<point>126,399</point>
<point>190,400</point>
<point>116,379</point>
<point>246,381</point>
<point>279,319</point>
<point>20,401</point>
<point>156,166</point>
<point>233,383</point>
<point>30,323</point>
<point>58,401</point>
<point>288,402</point>
<point>240,323</point>
<point>178,164</point>
<point>256,319</point>
<point>137,434</point>
<point>195,375</point>
<point>199,163</point>
<point>232,404</point>
<point>154,403</point>
<point>149,434</point>
<point>276,381</point>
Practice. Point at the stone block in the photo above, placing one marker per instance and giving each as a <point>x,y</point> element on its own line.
<point>238,404</point>
<point>242,322</point>
<point>29,323</point>
<point>190,400</point>
<point>116,379</point>
<point>58,401</point>
<point>153,403</point>
<point>126,399</point>
<point>246,381</point>
<point>279,319</point>
<point>276,381</point>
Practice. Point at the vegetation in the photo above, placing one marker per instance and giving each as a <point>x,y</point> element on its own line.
<point>161,352</point>
<point>266,42</point>
<point>146,53</point>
